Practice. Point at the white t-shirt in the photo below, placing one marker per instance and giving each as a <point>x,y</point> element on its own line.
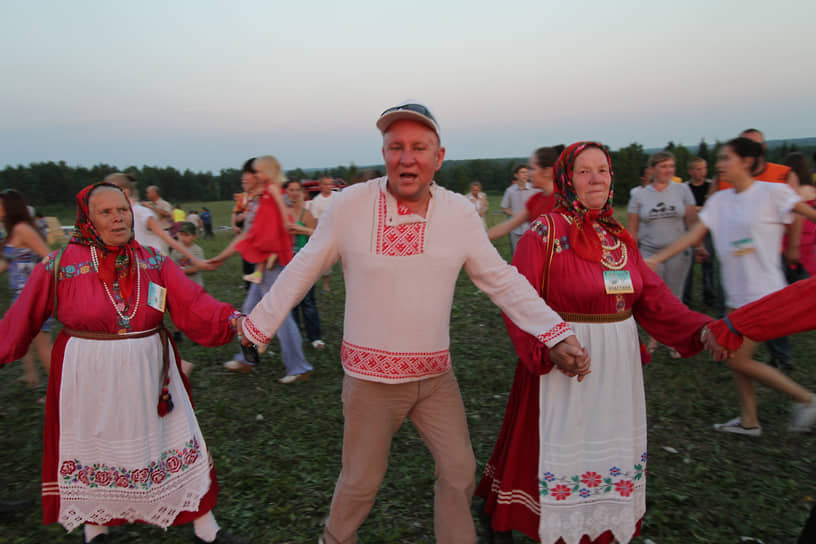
<point>320,204</point>
<point>144,235</point>
<point>747,231</point>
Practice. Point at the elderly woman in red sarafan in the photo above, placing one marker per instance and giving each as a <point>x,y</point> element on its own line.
<point>570,462</point>
<point>121,443</point>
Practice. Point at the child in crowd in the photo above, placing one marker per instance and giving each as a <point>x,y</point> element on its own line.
<point>187,235</point>
<point>277,231</point>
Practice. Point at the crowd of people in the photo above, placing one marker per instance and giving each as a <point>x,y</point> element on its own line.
<point>570,460</point>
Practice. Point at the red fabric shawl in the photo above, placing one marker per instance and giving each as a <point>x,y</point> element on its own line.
<point>114,261</point>
<point>582,236</point>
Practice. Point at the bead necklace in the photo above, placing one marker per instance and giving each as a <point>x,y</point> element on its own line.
<point>602,234</point>
<point>125,319</point>
<point>607,259</point>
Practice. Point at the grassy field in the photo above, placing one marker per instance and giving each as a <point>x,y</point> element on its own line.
<point>277,448</point>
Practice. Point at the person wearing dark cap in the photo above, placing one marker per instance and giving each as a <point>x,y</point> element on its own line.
<point>403,240</point>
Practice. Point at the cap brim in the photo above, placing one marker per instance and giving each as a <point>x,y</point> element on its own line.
<point>391,117</point>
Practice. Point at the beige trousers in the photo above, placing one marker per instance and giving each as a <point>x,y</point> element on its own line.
<point>373,413</point>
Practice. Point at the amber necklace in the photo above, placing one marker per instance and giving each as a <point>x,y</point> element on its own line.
<point>125,318</point>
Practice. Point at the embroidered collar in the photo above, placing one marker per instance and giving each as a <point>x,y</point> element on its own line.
<point>397,213</point>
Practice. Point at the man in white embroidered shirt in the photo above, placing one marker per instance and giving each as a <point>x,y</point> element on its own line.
<point>403,240</point>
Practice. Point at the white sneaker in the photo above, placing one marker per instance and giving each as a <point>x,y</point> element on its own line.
<point>735,426</point>
<point>318,344</point>
<point>803,416</point>
<point>292,378</point>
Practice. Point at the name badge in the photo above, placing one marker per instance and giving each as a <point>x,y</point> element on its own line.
<point>156,297</point>
<point>618,282</point>
<point>742,247</point>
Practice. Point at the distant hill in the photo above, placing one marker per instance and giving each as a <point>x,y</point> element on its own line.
<point>802,143</point>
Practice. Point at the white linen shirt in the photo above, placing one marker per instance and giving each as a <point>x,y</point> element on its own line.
<point>400,271</point>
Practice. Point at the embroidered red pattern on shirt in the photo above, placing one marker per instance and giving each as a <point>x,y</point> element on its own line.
<point>399,240</point>
<point>256,332</point>
<point>555,332</point>
<point>379,363</point>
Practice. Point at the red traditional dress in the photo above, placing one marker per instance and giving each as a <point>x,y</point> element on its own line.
<point>109,457</point>
<point>267,233</point>
<point>570,461</point>
<point>571,456</point>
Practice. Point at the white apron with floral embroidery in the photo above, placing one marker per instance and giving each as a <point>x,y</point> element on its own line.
<point>592,461</point>
<point>117,457</point>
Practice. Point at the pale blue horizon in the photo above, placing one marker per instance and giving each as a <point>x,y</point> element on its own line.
<point>203,85</point>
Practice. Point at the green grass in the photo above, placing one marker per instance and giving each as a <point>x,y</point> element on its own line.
<point>277,448</point>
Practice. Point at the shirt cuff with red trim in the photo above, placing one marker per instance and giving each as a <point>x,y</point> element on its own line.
<point>254,334</point>
<point>555,335</point>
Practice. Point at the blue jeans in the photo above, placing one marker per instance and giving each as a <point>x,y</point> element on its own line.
<point>288,334</point>
<point>310,315</point>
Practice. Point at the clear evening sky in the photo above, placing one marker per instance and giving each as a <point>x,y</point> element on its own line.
<point>206,84</point>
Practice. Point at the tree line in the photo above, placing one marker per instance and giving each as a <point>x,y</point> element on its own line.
<point>48,184</point>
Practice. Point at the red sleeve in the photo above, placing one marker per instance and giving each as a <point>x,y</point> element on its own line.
<point>194,311</point>
<point>26,316</point>
<point>267,236</point>
<point>787,311</point>
<point>530,260</point>
<point>725,336</point>
<point>662,314</point>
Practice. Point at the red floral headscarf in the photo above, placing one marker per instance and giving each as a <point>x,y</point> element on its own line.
<point>114,261</point>
<point>582,237</point>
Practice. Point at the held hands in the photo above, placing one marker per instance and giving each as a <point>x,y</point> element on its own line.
<point>651,263</point>
<point>213,263</point>
<point>245,342</point>
<point>203,264</point>
<point>717,352</point>
<point>239,328</point>
<point>571,358</point>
